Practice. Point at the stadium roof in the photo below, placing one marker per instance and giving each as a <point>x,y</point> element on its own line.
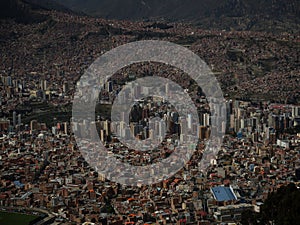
<point>222,193</point>
<point>18,184</point>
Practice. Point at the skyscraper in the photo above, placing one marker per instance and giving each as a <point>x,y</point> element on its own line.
<point>295,111</point>
<point>14,118</point>
<point>19,120</point>
<point>189,121</point>
<point>162,128</point>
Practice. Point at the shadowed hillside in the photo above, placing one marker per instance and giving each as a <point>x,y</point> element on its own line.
<point>220,14</point>
<point>19,11</point>
<point>27,11</point>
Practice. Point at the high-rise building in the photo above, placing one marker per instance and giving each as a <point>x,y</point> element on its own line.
<point>295,111</point>
<point>14,118</point>
<point>43,85</point>
<point>4,124</point>
<point>19,120</point>
<point>162,128</point>
<point>146,132</point>
<point>202,131</point>
<point>183,126</point>
<point>151,134</point>
<point>33,125</point>
<point>107,128</point>
<point>127,133</point>
<point>102,136</point>
<point>189,121</point>
<point>109,86</point>
<point>167,89</point>
<point>121,129</point>
<point>65,128</point>
<point>54,130</point>
<point>8,81</point>
<point>206,119</point>
<point>65,87</point>
<point>156,128</point>
<point>138,91</point>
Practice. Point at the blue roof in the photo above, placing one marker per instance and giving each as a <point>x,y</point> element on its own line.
<point>18,184</point>
<point>222,193</point>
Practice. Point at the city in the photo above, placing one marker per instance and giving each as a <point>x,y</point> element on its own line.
<point>45,175</point>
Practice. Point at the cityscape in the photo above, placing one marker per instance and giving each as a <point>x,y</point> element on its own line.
<point>51,172</point>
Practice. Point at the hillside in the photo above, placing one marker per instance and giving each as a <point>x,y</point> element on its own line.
<point>19,11</point>
<point>48,5</point>
<point>28,11</point>
<point>267,15</point>
<point>255,15</point>
<point>249,65</point>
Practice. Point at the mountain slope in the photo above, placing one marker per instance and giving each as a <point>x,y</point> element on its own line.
<point>48,5</point>
<point>27,11</point>
<point>257,14</point>
<point>140,9</point>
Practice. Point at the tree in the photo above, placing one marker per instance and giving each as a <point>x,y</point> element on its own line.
<point>280,208</point>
